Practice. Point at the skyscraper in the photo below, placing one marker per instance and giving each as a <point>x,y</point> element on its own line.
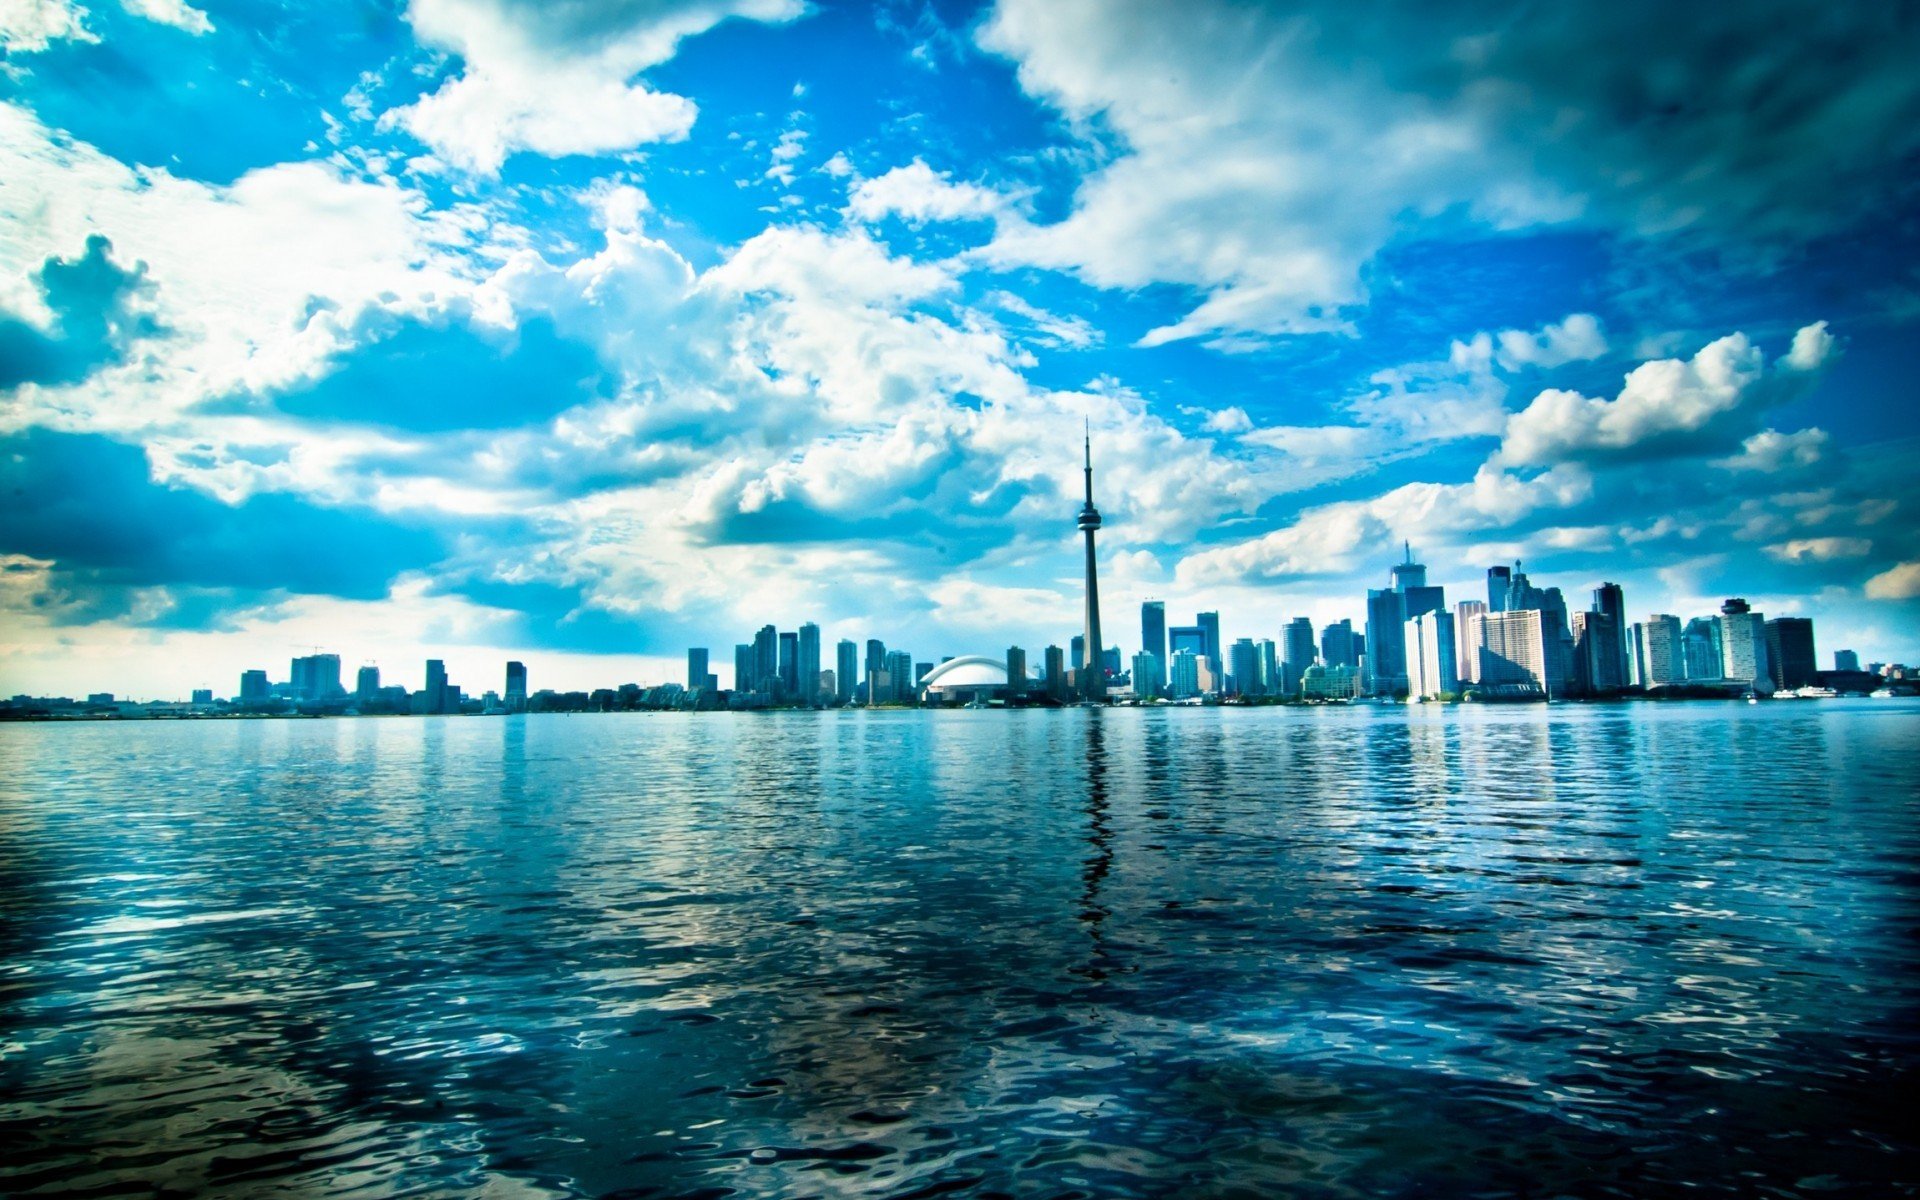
<point>1147,681</point>
<point>436,689</point>
<point>1743,643</point>
<point>847,670</point>
<point>1244,673</point>
<point>1016,672</point>
<point>1093,675</point>
<point>809,663</point>
<point>1608,598</point>
<point>742,667</point>
<point>1659,652</point>
<point>1183,677</point>
<point>1431,672</point>
<point>1597,668</point>
<point>1513,652</point>
<point>766,660</point>
<point>1337,648</point>
<point>516,689</point>
<point>254,687</point>
<point>1153,629</point>
<point>1209,623</point>
<point>1499,579</point>
<point>1466,639</point>
<point>876,666</point>
<point>316,677</point>
<point>1700,649</point>
<point>1790,654</point>
<point>1055,666</point>
<point>1296,654</point>
<point>1388,611</point>
<point>696,669</point>
<point>789,667</point>
<point>367,684</point>
<point>1846,660</point>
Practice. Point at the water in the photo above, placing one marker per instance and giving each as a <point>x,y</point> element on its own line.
<point>1613,950</point>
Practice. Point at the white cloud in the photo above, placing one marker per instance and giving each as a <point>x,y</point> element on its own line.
<point>557,81</point>
<point>918,194</point>
<point>1240,153</point>
<point>792,144</point>
<point>1664,406</point>
<point>1899,582</point>
<point>1771,451</point>
<point>1232,419</point>
<point>1064,331</point>
<point>1821,549</point>
<point>29,26</point>
<point>1576,339</point>
<point>176,13</point>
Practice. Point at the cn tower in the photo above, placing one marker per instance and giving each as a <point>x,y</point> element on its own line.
<point>1093,670</point>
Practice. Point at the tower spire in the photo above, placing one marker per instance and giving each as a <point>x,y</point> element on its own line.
<point>1092,667</point>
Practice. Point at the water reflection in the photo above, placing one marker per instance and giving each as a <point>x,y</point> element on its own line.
<point>1373,951</point>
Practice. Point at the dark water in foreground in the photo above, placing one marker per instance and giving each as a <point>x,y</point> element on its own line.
<point>1634,950</point>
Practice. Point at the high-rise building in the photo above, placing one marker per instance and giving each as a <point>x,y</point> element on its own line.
<point>1183,677</point>
<point>1431,672</point>
<point>1209,624</point>
<point>1296,654</point>
<point>254,687</point>
<point>1659,652</point>
<point>1743,643</point>
<point>696,669</point>
<point>1337,645</point>
<point>1192,638</point>
<point>1147,677</point>
<point>766,660</point>
<point>1466,639</point>
<point>1608,598</point>
<point>1110,660</point>
<point>1077,651</point>
<point>1016,672</point>
<point>876,666</point>
<point>1597,670</point>
<point>203,695</point>
<point>789,665</point>
<point>1846,660</point>
<point>435,692</point>
<point>1153,629</point>
<point>1093,671</point>
<point>1499,581</point>
<point>1700,649</point>
<point>1513,652</point>
<point>1055,666</point>
<point>316,677</point>
<point>1791,660</point>
<point>1388,611</point>
<point>900,675</point>
<point>809,663</point>
<point>1243,675</point>
<point>367,684</point>
<point>743,680</point>
<point>846,670</point>
<point>516,689</point>
<point>1272,677</point>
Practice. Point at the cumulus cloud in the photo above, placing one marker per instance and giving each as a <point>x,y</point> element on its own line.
<point>558,80</point>
<point>1668,406</point>
<point>1576,339</point>
<point>176,13</point>
<point>917,194</point>
<point>1771,451</point>
<point>1898,582</point>
<point>1246,159</point>
<point>1824,549</point>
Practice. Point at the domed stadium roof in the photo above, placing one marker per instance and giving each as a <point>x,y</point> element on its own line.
<point>967,672</point>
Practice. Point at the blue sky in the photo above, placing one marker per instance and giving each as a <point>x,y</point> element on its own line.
<point>584,332</point>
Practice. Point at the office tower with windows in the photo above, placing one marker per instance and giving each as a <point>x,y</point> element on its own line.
<point>1513,652</point>
<point>1338,647</point>
<point>846,670</point>
<point>1431,672</point>
<point>1700,648</point>
<point>1499,582</point>
<point>367,684</point>
<point>1608,598</point>
<point>516,687</point>
<point>1055,665</point>
<point>743,680</point>
<point>1659,652</point>
<point>766,660</point>
<point>875,665</point>
<point>1743,643</point>
<point>316,677</point>
<point>1183,677</point>
<point>1209,624</point>
<point>1791,660</point>
<point>1153,629</point>
<point>1846,660</point>
<point>809,663</point>
<point>788,667</point>
<point>1016,672</point>
<point>1147,681</point>
<point>1243,675</point>
<point>696,669</point>
<point>436,690</point>
<point>1296,654</point>
<point>1466,639</point>
<point>1596,669</point>
<point>254,687</point>
<point>1388,611</point>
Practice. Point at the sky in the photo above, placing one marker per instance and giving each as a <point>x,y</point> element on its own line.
<point>584,331</point>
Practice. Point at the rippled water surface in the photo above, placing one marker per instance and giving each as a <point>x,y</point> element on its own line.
<point>1636,950</point>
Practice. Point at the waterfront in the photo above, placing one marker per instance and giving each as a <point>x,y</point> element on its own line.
<point>1623,949</point>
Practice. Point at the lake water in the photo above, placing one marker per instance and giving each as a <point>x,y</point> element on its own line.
<point>1634,950</point>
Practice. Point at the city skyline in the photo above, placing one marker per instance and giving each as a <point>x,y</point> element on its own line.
<point>470,333</point>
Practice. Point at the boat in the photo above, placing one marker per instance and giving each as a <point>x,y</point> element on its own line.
<point>1812,692</point>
